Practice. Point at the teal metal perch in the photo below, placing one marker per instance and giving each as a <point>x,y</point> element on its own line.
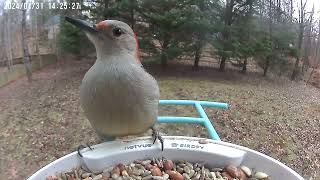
<point>202,119</point>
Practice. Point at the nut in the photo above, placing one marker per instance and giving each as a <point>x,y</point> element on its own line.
<point>168,165</point>
<point>124,173</point>
<point>155,171</point>
<point>174,175</point>
<point>233,171</point>
<point>225,174</point>
<point>121,167</point>
<point>115,171</point>
<point>149,166</point>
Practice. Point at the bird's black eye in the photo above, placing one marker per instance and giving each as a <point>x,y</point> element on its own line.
<point>117,32</point>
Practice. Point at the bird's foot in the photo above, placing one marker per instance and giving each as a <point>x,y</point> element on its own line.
<point>82,147</point>
<point>156,135</point>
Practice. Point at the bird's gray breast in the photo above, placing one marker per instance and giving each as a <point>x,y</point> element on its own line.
<point>119,100</point>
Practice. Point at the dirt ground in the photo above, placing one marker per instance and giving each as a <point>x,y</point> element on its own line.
<point>42,121</point>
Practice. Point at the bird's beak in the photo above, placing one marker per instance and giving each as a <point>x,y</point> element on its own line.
<point>82,25</point>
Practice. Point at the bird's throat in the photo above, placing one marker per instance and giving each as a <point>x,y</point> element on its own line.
<point>137,53</point>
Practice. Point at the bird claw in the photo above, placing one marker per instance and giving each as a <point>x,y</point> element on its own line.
<point>80,147</point>
<point>156,135</point>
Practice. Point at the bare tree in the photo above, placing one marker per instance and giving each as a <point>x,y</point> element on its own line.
<point>308,43</point>
<point>291,11</point>
<point>267,63</point>
<point>37,37</point>
<point>26,55</point>
<point>7,39</point>
<point>317,51</point>
<point>301,22</point>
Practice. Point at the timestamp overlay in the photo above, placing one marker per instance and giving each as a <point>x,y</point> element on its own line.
<point>42,5</point>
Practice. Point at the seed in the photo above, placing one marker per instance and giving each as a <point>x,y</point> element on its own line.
<point>191,173</point>
<point>189,164</point>
<point>157,177</point>
<point>159,163</point>
<point>137,161</point>
<point>218,174</point>
<point>146,162</point>
<point>114,176</point>
<point>198,176</point>
<point>180,170</point>
<point>147,177</point>
<point>97,177</point>
<point>137,172</point>
<point>217,169</point>
<point>85,175</point>
<point>165,176</point>
<point>186,169</point>
<point>203,141</point>
<point>186,176</point>
<point>212,175</point>
<point>145,173</point>
<point>106,174</point>
<point>246,170</point>
<point>260,175</point>
<point>242,175</point>
<point>149,166</point>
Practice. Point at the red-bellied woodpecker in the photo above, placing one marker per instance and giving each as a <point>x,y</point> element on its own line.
<point>118,96</point>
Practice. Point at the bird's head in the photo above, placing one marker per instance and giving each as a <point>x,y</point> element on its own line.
<point>109,36</point>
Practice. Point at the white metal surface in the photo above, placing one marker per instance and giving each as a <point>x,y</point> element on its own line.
<point>213,154</point>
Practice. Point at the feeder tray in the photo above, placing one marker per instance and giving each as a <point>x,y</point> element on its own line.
<point>212,152</point>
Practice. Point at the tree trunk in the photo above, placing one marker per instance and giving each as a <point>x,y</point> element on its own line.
<point>106,3</point>
<point>3,35</point>
<point>8,45</point>
<point>307,47</point>
<point>37,39</point>
<point>295,71</point>
<point>197,58</point>
<point>266,67</point>
<point>198,50</point>
<point>291,11</point>
<point>267,63</point>
<point>225,34</point>
<point>222,64</point>
<point>244,65</point>
<point>164,57</point>
<point>26,55</point>
<point>132,21</point>
<point>317,59</point>
<point>316,56</point>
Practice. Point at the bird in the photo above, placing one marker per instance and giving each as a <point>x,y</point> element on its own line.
<point>118,96</point>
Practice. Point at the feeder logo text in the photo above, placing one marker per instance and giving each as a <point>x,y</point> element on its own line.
<point>189,146</point>
<point>138,146</point>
